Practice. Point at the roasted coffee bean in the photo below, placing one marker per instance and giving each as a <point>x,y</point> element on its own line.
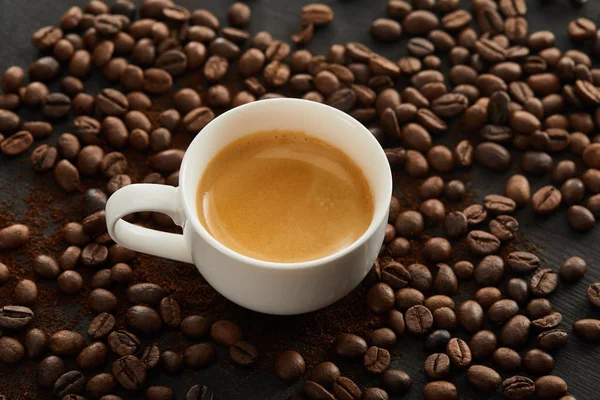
<point>482,243</point>
<point>437,366</point>
<point>376,360</point>
<point>418,319</point>
<point>65,343</point>
<point>16,144</point>
<point>314,391</point>
<point>440,390</point>
<point>581,219</point>
<point>386,30</point>
<point>504,227</point>
<point>459,353</point>
<point>225,332</point>
<point>552,340</point>
<point>101,325</point>
<point>434,211</point>
<point>522,262</point>
<point>484,378</point>
<point>144,320</point>
<point>93,356</point>
<point>395,275</point>
<point>420,22</point>
<point>543,282</point>
<point>15,317</point>
<point>507,359</point>
<point>420,277</point>
<point>172,362</point>
<point>549,321</point>
<point>199,392</point>
<point>550,387</point>
<point>123,342</point>
<point>25,292</point>
<point>573,269</point>
<point>437,340</point>
<point>487,296</point>
<point>517,189</point>
<point>515,332</point>
<point>150,356</point>
<point>518,387</point>
<point>470,316</point>
<point>538,308</point>
<point>503,310</point>
<point>170,312</point>
<point>380,298</point>
<point>325,373</point>
<point>130,372</point>
<point>149,293</point>
<point>290,365</point>
<point>350,346</point>
<point>345,389</point>
<point>492,156</point>
<point>496,204</point>
<point>195,326</point>
<point>69,282</point>
<point>49,370</point>
<point>475,214</point>
<point>516,289</point>
<point>101,300</point>
<point>489,271</point>
<point>71,382</point>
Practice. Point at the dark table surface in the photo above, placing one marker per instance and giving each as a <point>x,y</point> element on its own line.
<point>577,363</point>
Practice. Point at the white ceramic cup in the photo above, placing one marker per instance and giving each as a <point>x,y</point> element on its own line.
<point>269,287</point>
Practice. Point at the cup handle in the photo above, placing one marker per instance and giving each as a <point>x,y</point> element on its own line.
<point>147,197</point>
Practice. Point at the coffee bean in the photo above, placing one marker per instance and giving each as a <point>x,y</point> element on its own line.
<point>420,22</point>
<point>482,243</point>
<point>503,310</point>
<point>314,391</point>
<point>122,342</point>
<point>395,275</point>
<point>483,378</point>
<point>580,219</point>
<point>492,156</point>
<point>43,158</point>
<point>345,389</point>
<point>15,317</point>
<point>487,296</point>
<point>550,387</point>
<point>439,301</point>
<point>504,227</point>
<point>386,30</point>
<point>149,293</point>
<point>350,346</point>
<point>515,332</point>
<point>459,353</point>
<point>199,392</point>
<point>517,189</point>
<point>538,362</point>
<point>522,262</point>
<point>470,316</point>
<point>16,144</point>
<point>489,271</point>
<point>496,204</point>
<point>518,387</point>
<point>439,390</point>
<point>573,269</point>
<point>170,312</point>
<point>290,365</point>
<point>420,277</point>
<point>437,366</point>
<point>377,360</point>
<point>25,292</point>
<point>71,382</point>
<point>195,326</point>
<point>507,359</point>
<point>516,289</point>
<point>49,370</point>
<point>172,362</point>
<point>93,356</point>
<point>143,319</point>
<point>543,282</point>
<point>538,308</point>
<point>418,319</point>
<point>130,372</point>
<point>437,340</point>
<point>65,342</point>
<point>380,298</point>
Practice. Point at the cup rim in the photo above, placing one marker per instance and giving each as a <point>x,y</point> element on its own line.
<point>379,212</point>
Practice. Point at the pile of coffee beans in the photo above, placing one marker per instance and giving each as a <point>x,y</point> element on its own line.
<point>527,106</point>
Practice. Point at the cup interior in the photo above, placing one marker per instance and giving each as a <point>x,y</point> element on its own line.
<point>315,119</point>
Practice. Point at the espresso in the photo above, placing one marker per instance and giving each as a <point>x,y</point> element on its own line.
<point>284,196</point>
